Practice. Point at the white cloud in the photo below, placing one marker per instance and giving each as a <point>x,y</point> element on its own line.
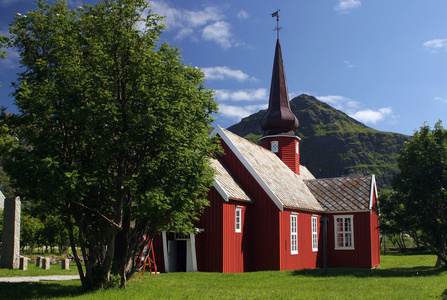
<point>224,72</point>
<point>239,112</point>
<point>242,95</point>
<point>293,95</point>
<point>341,103</point>
<point>218,32</point>
<point>346,5</point>
<point>435,45</point>
<point>242,15</point>
<point>348,64</point>
<point>441,99</point>
<point>354,110</point>
<point>372,116</point>
<point>202,17</point>
<point>208,21</point>
<point>182,18</point>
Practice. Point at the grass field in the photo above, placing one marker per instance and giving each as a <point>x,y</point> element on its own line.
<point>408,276</point>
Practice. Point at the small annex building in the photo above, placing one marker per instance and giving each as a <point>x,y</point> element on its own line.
<point>268,212</point>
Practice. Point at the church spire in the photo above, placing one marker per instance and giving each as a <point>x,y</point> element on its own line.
<point>279,118</point>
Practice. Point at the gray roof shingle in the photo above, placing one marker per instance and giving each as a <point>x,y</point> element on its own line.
<point>227,183</point>
<point>342,194</point>
<point>287,187</point>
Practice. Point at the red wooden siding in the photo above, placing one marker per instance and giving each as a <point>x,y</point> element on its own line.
<point>209,242</point>
<point>306,258</point>
<point>262,219</point>
<point>234,243</point>
<point>360,257</point>
<point>375,236</point>
<point>286,150</point>
<point>158,252</point>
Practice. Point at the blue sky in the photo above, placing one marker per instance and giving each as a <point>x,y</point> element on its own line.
<point>382,62</point>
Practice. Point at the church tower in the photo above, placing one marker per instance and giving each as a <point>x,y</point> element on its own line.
<point>279,122</point>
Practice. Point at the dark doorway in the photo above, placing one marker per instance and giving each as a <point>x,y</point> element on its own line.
<point>181,256</point>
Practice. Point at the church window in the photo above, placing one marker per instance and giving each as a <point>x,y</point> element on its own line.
<point>344,232</point>
<point>314,233</point>
<point>293,234</point>
<point>238,219</point>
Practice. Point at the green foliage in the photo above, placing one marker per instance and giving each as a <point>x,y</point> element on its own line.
<point>3,44</point>
<point>55,233</point>
<point>116,127</point>
<point>7,143</point>
<point>418,202</point>
<point>30,232</point>
<point>254,138</point>
<point>49,233</point>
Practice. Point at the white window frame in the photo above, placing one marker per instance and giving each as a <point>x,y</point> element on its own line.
<point>344,235</point>
<point>238,219</point>
<point>314,228</point>
<point>293,233</point>
<point>274,146</point>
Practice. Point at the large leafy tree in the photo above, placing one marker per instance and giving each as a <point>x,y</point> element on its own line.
<point>6,140</point>
<point>116,127</point>
<point>418,202</point>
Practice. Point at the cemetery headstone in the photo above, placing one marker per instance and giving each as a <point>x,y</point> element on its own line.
<point>65,264</point>
<point>46,263</point>
<point>23,263</point>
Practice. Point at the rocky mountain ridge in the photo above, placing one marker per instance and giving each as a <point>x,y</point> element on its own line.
<point>334,144</point>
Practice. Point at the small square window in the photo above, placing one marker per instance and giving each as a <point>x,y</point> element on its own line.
<point>274,146</point>
<point>238,219</point>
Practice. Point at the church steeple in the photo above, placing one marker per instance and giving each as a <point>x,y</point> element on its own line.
<point>279,118</point>
<point>279,122</point>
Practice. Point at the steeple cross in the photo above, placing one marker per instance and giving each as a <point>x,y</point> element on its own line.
<point>277,28</point>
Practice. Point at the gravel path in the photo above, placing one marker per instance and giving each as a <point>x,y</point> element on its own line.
<point>39,278</point>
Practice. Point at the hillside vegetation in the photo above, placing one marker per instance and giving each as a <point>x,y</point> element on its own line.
<point>334,144</point>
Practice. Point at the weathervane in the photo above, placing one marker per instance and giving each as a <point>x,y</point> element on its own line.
<point>277,28</point>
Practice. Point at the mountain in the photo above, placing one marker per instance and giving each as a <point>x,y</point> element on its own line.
<point>334,144</point>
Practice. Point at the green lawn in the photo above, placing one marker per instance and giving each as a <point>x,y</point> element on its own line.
<point>400,277</point>
<point>36,271</point>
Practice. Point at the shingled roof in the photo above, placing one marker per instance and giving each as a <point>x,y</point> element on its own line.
<point>284,187</point>
<point>225,183</point>
<point>343,194</point>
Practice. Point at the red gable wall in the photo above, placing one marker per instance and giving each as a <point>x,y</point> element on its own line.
<point>209,243</point>
<point>261,229</point>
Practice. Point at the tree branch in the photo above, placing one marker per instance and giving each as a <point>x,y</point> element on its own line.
<point>96,211</point>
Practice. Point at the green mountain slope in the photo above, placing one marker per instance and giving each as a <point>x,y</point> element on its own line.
<point>334,144</point>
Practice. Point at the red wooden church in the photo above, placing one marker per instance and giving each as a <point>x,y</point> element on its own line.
<point>268,212</point>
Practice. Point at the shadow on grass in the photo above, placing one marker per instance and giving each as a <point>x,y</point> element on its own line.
<point>361,272</point>
<point>39,290</point>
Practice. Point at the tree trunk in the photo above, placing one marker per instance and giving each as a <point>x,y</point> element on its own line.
<point>121,251</point>
<point>438,262</point>
<point>75,252</point>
